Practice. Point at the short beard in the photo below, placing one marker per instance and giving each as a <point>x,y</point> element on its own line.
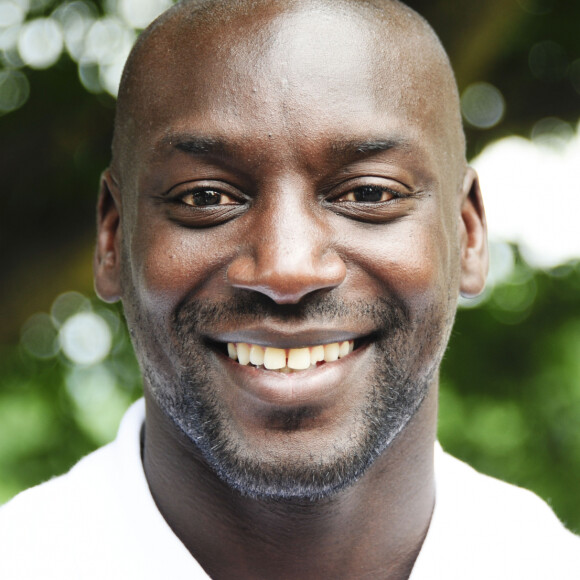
<point>399,387</point>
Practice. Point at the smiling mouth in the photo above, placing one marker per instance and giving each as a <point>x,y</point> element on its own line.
<point>288,360</point>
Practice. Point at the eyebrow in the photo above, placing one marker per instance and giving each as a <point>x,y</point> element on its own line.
<point>349,147</point>
<point>194,144</point>
<point>345,148</point>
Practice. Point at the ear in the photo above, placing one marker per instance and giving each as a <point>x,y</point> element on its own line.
<point>473,237</point>
<point>107,262</point>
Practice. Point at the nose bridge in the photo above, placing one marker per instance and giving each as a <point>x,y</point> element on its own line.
<point>294,236</point>
<point>289,251</point>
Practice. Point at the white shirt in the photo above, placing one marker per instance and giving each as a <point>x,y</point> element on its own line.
<point>99,521</point>
<point>483,528</point>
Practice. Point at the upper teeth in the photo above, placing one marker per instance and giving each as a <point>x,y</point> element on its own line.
<point>287,359</point>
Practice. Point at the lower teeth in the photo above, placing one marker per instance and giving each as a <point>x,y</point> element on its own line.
<point>284,370</point>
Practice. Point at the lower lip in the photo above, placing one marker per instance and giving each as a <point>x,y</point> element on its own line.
<point>299,387</point>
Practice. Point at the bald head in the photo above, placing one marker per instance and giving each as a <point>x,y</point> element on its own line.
<point>270,47</point>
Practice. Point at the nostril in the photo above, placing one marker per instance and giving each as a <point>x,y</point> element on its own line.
<point>286,280</point>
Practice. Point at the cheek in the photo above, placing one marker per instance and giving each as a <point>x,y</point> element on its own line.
<point>175,262</point>
<point>410,263</point>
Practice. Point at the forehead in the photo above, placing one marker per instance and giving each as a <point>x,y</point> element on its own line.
<point>299,77</point>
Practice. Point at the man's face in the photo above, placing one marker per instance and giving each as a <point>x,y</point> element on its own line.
<point>291,189</point>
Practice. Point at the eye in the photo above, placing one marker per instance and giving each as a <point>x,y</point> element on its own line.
<point>373,200</point>
<point>368,194</point>
<point>202,205</point>
<point>207,197</point>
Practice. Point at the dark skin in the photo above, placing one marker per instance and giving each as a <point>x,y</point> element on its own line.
<point>358,191</point>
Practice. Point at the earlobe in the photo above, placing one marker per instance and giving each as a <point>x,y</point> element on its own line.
<point>474,251</point>
<point>107,261</point>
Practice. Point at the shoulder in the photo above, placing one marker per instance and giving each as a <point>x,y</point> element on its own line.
<point>88,486</point>
<point>486,528</point>
<point>97,521</point>
<point>69,497</point>
<point>69,512</point>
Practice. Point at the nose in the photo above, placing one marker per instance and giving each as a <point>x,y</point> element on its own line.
<point>287,254</point>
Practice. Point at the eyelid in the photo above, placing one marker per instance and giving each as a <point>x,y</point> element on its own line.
<point>383,190</point>
<point>199,218</point>
<point>192,192</point>
<point>401,202</point>
<point>193,216</point>
<point>352,185</point>
<point>179,191</point>
<point>373,212</point>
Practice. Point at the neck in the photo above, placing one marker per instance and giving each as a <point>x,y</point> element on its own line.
<point>373,529</point>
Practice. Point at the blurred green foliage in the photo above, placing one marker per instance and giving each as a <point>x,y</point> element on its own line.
<point>510,392</point>
<point>53,411</point>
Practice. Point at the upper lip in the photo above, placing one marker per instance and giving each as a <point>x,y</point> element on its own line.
<point>287,337</point>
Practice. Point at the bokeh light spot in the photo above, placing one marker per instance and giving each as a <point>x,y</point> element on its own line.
<point>68,304</point>
<point>11,13</point>
<point>482,105</point>
<point>110,76</point>
<point>76,18</point>
<point>532,196</point>
<point>104,40</point>
<point>40,42</point>
<point>14,90</point>
<point>9,37</point>
<point>515,297</point>
<point>90,77</point>
<point>39,336</point>
<point>111,318</point>
<point>548,61</point>
<point>90,386</point>
<point>139,13</point>
<point>552,132</point>
<point>23,4</point>
<point>98,400</point>
<point>501,262</point>
<point>11,59</point>
<point>86,338</point>
<point>108,44</point>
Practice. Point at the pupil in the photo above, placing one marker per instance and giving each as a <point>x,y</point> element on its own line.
<point>368,194</point>
<point>202,198</point>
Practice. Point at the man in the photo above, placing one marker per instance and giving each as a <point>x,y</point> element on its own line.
<point>288,220</point>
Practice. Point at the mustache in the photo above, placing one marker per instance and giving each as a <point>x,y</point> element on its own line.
<point>387,314</point>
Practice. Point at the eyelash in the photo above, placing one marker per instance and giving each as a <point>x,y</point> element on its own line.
<point>371,189</point>
<point>214,213</point>
<point>205,191</point>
